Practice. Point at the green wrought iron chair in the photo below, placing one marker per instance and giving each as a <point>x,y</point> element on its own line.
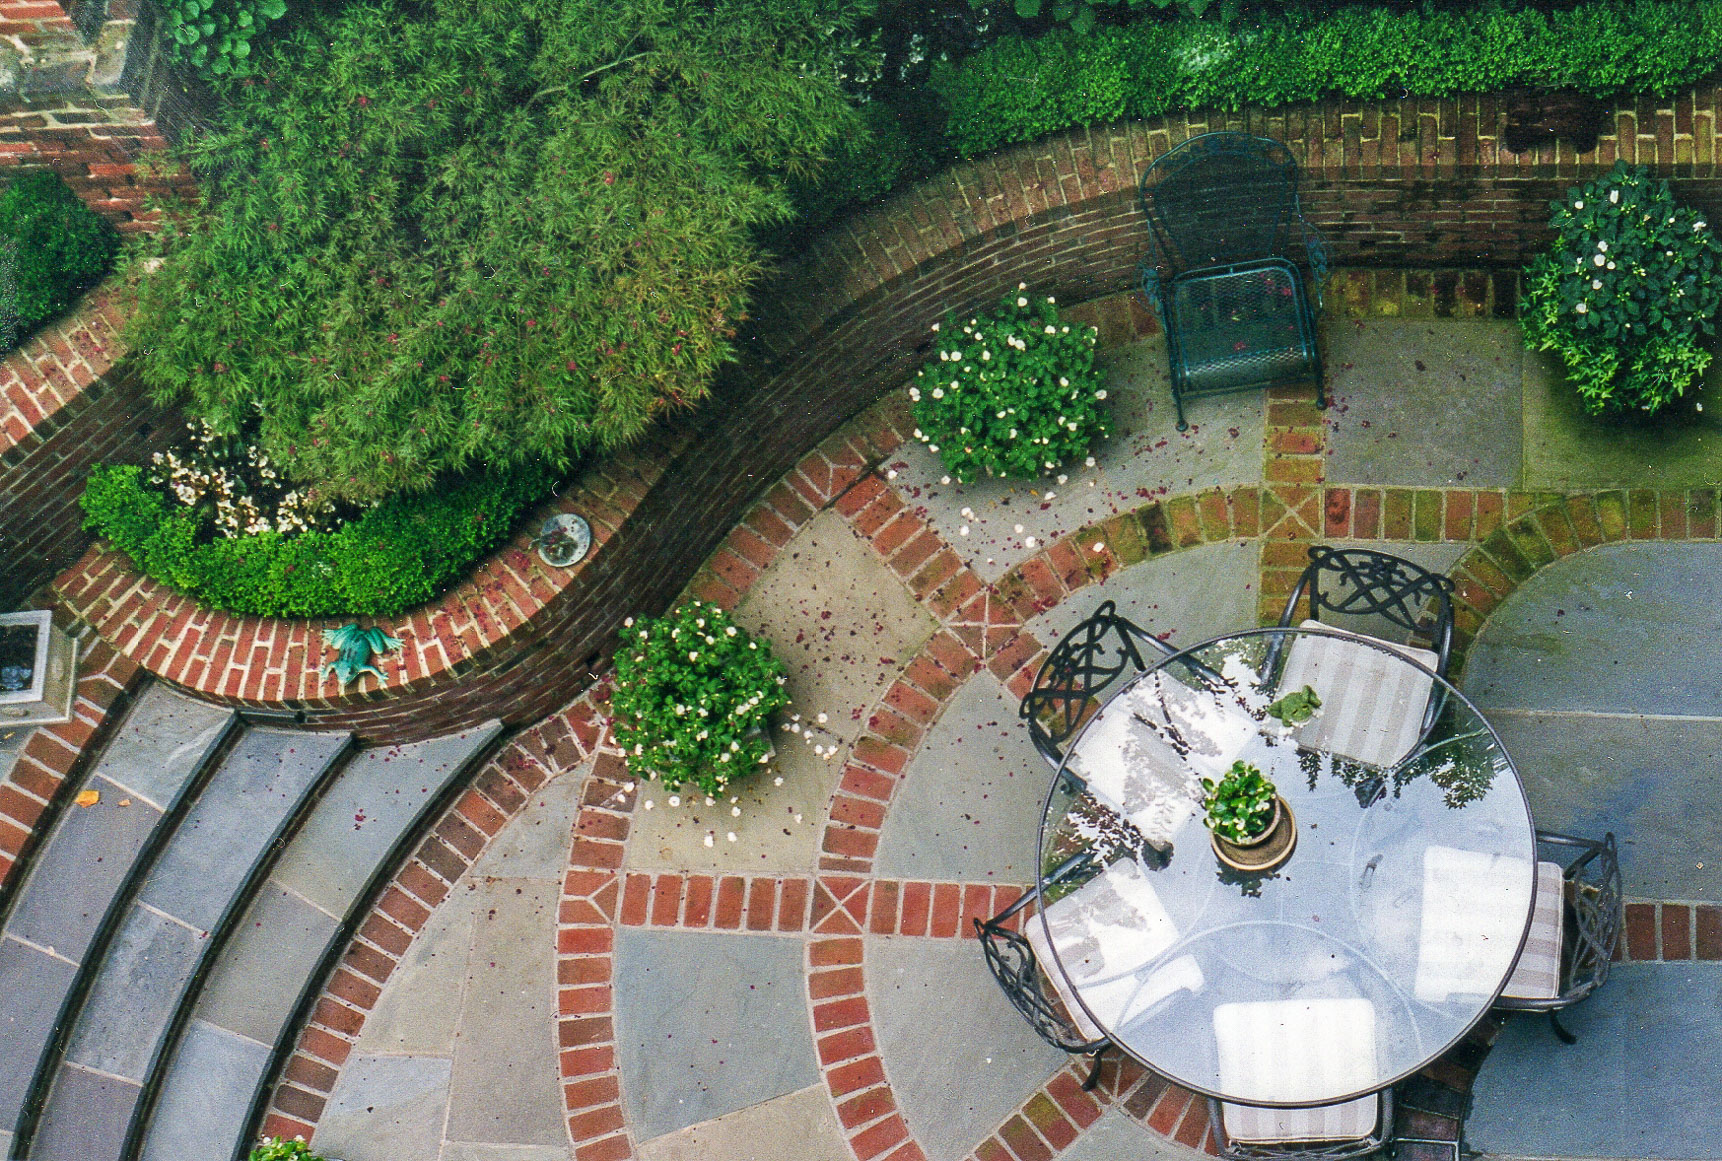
<point>1232,267</point>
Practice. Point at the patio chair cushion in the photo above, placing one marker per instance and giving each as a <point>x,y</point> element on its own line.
<point>1105,931</point>
<point>1298,1050</point>
<point>1474,906</point>
<point>1348,1121</point>
<point>1537,975</point>
<point>1372,707</point>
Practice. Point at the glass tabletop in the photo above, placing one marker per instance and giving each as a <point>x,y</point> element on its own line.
<point>1382,937</point>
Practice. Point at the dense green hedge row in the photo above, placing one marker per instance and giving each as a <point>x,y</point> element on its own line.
<point>1022,88</point>
<point>52,248</point>
<point>394,557</point>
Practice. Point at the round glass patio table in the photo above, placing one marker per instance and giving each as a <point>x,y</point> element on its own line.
<point>1387,933</point>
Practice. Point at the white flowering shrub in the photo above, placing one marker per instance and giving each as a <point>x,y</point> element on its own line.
<point>1015,394</point>
<point>1625,291</point>
<point>230,480</point>
<point>694,698</point>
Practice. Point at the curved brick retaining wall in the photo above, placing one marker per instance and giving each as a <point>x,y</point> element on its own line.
<point>1397,182</point>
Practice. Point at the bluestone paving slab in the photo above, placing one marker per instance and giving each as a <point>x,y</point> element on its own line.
<point>1623,628</point>
<point>257,978</point>
<point>472,1151</point>
<point>135,991</point>
<point>203,1102</point>
<point>840,621</point>
<point>708,1023</point>
<point>12,742</point>
<point>385,1108</point>
<point>32,986</point>
<point>164,738</point>
<point>1641,1081</point>
<point>419,1009</point>
<point>1146,457</point>
<point>534,844</point>
<point>86,1119</point>
<point>377,795</point>
<point>779,826</point>
<point>505,1086</point>
<point>88,857</point>
<point>1567,449</point>
<point>1116,1137</point>
<point>258,785</point>
<point>1423,403</point>
<point>971,798</point>
<point>1654,782</point>
<point>798,1127</point>
<point>960,1058</point>
<point>1184,597</point>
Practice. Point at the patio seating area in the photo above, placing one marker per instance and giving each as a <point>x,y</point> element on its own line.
<point>801,980</point>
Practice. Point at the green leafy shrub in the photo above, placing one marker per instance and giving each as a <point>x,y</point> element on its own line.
<point>1240,806</point>
<point>436,234</point>
<point>694,698</point>
<point>55,248</point>
<point>281,1149</point>
<point>1015,394</point>
<point>1020,88</point>
<point>214,36</point>
<point>1625,291</point>
<point>393,557</point>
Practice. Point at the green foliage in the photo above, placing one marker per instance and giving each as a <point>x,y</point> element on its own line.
<point>694,698</point>
<point>1082,15</point>
<point>52,248</point>
<point>1019,89</point>
<point>393,557</point>
<point>437,234</point>
<point>1013,395</point>
<point>1240,805</point>
<point>214,36</point>
<point>1624,292</point>
<point>281,1149</point>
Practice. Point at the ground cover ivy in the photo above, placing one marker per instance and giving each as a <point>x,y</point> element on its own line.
<point>693,700</point>
<point>1013,394</point>
<point>1627,293</point>
<point>214,36</point>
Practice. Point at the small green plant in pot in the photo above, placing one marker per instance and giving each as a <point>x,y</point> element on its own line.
<point>1626,294</point>
<point>281,1149</point>
<point>1240,806</point>
<point>1015,394</point>
<point>1296,708</point>
<point>694,698</point>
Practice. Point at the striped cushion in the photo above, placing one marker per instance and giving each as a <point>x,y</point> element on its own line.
<point>1350,1121</point>
<point>1105,931</point>
<point>1296,1050</point>
<point>1537,975</point>
<point>1473,912</point>
<point>1372,706</point>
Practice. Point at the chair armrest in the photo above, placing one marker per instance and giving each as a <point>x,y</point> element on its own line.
<point>1315,248</point>
<point>1148,279</point>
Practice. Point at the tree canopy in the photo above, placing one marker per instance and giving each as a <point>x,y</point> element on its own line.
<point>436,234</point>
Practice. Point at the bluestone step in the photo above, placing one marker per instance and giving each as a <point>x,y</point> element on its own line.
<point>167,938</point>
<point>319,889</point>
<point>146,777</point>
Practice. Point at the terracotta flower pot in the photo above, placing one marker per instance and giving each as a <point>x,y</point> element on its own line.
<point>1267,850</point>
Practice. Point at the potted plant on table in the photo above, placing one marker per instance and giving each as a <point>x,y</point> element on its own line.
<point>1250,825</point>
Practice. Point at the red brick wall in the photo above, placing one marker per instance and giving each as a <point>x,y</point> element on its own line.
<point>1396,183</point>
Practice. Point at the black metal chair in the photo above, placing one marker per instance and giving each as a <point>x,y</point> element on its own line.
<point>1323,1133</point>
<point>1232,266</point>
<point>1415,604</point>
<point>1575,928</point>
<point>1028,986</point>
<point>1089,658</point>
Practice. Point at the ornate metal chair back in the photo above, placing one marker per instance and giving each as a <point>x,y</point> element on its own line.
<point>1221,198</point>
<point>1089,658</point>
<point>1595,906</point>
<point>1011,960</point>
<point>1358,582</point>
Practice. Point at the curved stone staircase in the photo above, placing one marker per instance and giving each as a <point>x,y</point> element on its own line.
<point>171,929</point>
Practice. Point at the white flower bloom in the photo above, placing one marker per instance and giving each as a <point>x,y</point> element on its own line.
<point>675,800</point>
<point>1019,529</point>
<point>1699,224</point>
<point>1599,259</point>
<point>1611,266</point>
<point>1090,461</point>
<point>1022,286</point>
<point>963,531</point>
<point>731,836</point>
<point>1051,299</point>
<point>1578,205</point>
<point>938,393</point>
<point>1012,433</point>
<point>986,355</point>
<point>915,394</point>
<point>1050,329</point>
<point>1063,382</point>
<point>944,356</point>
<point>1583,308</point>
<point>708,840</point>
<point>1022,302</point>
<point>935,326</point>
<point>918,434</point>
<point>932,447</point>
<point>1100,394</point>
<point>1028,542</point>
<point>629,623</point>
<point>1603,246</point>
<point>1596,284</point>
<point>693,655</point>
<point>1613,197</point>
